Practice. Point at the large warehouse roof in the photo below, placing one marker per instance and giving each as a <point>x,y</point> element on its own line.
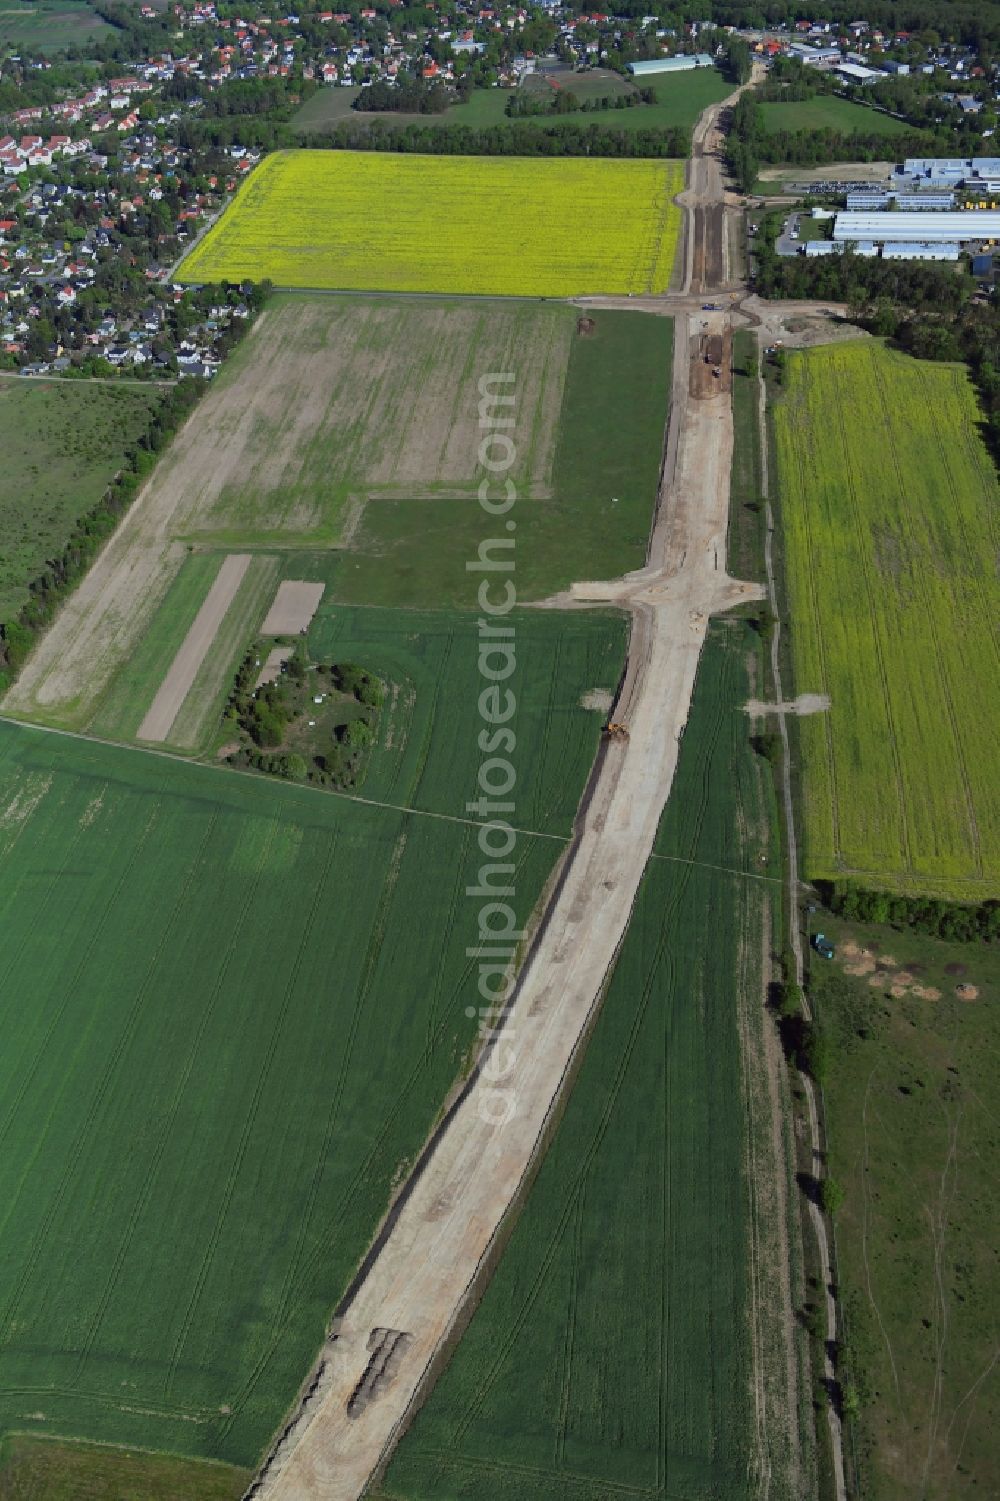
<point>960,225</point>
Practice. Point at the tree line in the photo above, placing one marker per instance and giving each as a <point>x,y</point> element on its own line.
<point>956,922</point>
<point>515,139</point>
<point>63,572</point>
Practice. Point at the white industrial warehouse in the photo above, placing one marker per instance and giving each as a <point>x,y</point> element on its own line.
<point>963,226</point>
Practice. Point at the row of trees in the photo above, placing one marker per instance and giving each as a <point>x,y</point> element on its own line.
<point>515,139</point>
<point>522,104</point>
<point>958,922</point>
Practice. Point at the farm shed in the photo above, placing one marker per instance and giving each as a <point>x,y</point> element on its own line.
<point>960,226</point>
<point>679,64</point>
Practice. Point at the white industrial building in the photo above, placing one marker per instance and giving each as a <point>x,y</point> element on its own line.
<point>815,57</point>
<point>952,171</point>
<point>959,226</point>
<point>855,73</point>
<point>901,251</point>
<point>680,64</point>
<point>866,248</point>
<point>921,202</point>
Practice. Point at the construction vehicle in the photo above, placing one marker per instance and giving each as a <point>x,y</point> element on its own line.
<point>823,946</point>
<point>615,731</point>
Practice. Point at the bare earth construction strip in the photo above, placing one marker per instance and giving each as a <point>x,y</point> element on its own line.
<point>445,1229</point>
<point>194,649</point>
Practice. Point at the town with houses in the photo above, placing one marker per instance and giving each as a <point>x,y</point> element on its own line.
<point>105,187</point>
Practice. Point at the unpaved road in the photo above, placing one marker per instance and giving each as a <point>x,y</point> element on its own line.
<point>439,1238</point>
<point>818,1156</point>
<point>194,649</point>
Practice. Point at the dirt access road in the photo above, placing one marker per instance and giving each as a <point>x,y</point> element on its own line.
<point>434,1251</point>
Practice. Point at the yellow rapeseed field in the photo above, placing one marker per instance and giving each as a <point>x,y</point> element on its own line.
<point>500,225</point>
<point>889,505</point>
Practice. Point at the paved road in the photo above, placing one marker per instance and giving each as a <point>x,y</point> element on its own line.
<point>380,1362</point>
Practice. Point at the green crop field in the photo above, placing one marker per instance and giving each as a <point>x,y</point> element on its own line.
<point>593,522</point>
<point>371,221</point>
<point>610,1354</point>
<point>231,1010</point>
<point>889,512</point>
<point>680,99</point>
<point>827,112</point>
<point>49,26</point>
<point>62,442</point>
<point>912,1125</point>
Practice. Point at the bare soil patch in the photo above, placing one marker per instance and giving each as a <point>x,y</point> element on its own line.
<point>967,992</point>
<point>711,365</point>
<point>270,672</point>
<point>295,604</point>
<point>194,649</point>
<point>805,703</point>
<point>597,699</point>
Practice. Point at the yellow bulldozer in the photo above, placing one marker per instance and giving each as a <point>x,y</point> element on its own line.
<point>615,731</point>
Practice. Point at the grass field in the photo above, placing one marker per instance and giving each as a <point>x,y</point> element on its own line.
<point>62,443</point>
<point>38,1469</point>
<point>231,1010</point>
<point>827,112</point>
<point>372,221</point>
<point>49,26</point>
<point>910,1111</point>
<point>611,1352</point>
<point>679,101</point>
<point>889,520</point>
